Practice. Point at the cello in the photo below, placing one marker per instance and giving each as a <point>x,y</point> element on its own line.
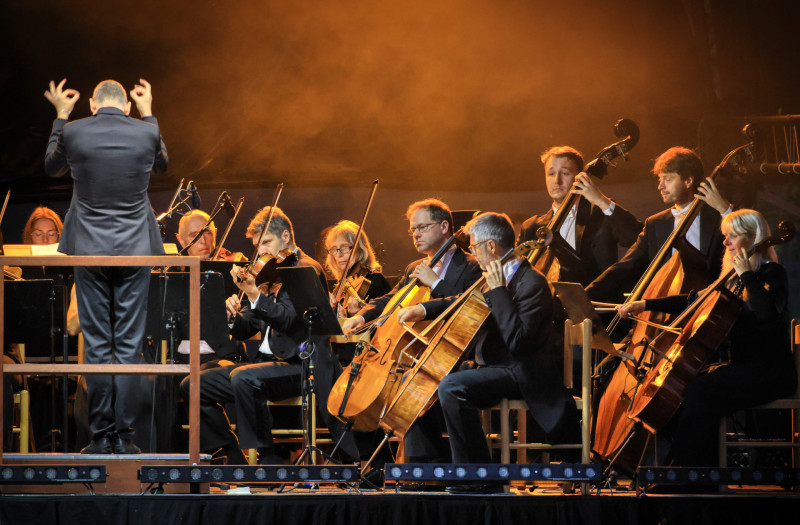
<point>669,273</point>
<point>702,328</point>
<point>369,382</point>
<point>445,351</point>
<point>553,252</point>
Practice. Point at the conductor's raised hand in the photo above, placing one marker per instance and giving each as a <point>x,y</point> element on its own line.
<point>142,95</point>
<point>62,99</point>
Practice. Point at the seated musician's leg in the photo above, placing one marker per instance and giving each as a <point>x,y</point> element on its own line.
<point>462,394</point>
<point>215,429</point>
<point>253,385</point>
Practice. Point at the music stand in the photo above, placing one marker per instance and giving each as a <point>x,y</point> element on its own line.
<point>308,296</point>
<point>578,306</point>
<point>224,269</point>
<point>168,318</point>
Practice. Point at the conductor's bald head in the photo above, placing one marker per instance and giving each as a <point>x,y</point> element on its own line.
<point>110,93</point>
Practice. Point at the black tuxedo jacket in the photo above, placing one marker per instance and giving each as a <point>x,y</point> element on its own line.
<point>461,273</point>
<point>518,335</point>
<point>624,275</point>
<point>597,236</point>
<point>111,156</point>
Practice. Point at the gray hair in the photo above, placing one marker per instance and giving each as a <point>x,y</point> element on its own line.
<point>279,223</point>
<point>492,226</point>
<point>110,91</point>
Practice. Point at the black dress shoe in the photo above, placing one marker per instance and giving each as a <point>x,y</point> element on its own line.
<point>125,446</point>
<point>99,445</point>
<point>476,488</point>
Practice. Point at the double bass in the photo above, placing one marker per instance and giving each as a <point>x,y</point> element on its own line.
<point>553,252</point>
<point>675,269</point>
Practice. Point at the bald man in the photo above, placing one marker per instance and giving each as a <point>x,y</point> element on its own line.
<point>110,156</point>
<point>189,226</point>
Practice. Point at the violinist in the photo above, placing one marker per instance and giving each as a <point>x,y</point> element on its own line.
<point>364,269</point>
<point>430,226</point>
<point>276,372</point>
<point>189,226</point>
<point>680,180</point>
<point>43,227</point>
<point>594,227</point>
<point>513,357</point>
<point>754,365</point>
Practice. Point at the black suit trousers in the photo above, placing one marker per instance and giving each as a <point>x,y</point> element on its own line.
<point>462,394</point>
<point>112,307</point>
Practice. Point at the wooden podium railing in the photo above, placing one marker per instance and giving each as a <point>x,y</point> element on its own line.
<point>193,369</point>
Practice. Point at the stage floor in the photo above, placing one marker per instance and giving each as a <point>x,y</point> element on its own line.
<point>337,506</point>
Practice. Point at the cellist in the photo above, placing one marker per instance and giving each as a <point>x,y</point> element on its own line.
<point>514,359</point>
<point>680,180</point>
<point>430,226</point>
<point>754,366</point>
<point>595,226</point>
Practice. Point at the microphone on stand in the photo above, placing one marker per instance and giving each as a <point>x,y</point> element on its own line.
<point>192,189</point>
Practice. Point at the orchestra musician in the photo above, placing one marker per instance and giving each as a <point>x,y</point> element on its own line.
<point>430,226</point>
<point>514,358</point>
<point>276,372</point>
<point>189,226</point>
<point>755,364</point>
<point>680,181</point>
<point>595,226</point>
<point>43,227</point>
<point>110,156</point>
<point>339,242</point>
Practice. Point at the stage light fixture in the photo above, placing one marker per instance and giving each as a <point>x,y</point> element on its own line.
<point>718,476</point>
<point>492,472</point>
<point>253,474</point>
<point>47,474</point>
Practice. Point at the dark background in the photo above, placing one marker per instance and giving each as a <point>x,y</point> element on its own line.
<point>455,98</point>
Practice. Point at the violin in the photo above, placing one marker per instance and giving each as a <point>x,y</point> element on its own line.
<point>264,269</point>
<point>227,255</point>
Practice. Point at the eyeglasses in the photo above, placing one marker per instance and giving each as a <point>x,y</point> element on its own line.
<point>422,228</point>
<point>342,250</point>
<point>39,234</point>
<point>473,246</point>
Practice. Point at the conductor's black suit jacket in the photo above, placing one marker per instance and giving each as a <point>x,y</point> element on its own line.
<point>111,156</point>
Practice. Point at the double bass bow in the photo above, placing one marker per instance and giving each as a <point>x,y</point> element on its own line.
<point>546,257</point>
<point>701,328</point>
